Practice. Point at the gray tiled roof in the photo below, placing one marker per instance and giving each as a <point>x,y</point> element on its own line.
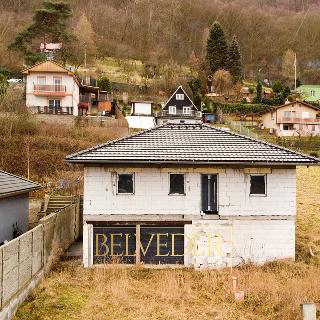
<point>11,185</point>
<point>196,144</point>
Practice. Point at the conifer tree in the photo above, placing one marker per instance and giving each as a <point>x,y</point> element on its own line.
<point>234,60</point>
<point>258,97</point>
<point>217,48</point>
<point>49,24</point>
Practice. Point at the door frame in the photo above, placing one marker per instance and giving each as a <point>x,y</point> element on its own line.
<point>216,193</point>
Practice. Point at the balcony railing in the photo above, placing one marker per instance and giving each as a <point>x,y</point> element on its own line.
<point>55,110</point>
<point>49,89</point>
<point>191,114</point>
<point>298,120</point>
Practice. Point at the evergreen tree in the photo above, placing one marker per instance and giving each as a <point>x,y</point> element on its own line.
<point>234,60</point>
<point>217,48</point>
<point>258,97</point>
<point>49,24</point>
<point>104,84</point>
<point>277,87</point>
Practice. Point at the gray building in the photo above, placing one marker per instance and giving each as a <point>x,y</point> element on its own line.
<point>14,204</point>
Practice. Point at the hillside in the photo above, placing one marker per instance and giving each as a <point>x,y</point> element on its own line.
<point>164,31</point>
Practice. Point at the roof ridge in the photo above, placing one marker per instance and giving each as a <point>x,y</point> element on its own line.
<point>263,142</point>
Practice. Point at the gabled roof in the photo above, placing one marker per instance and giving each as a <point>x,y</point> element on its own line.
<point>179,89</point>
<point>12,185</point>
<point>47,66</point>
<point>190,144</point>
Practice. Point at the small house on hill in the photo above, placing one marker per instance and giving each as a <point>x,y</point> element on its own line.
<point>53,89</point>
<point>141,116</point>
<point>189,194</point>
<point>141,108</point>
<point>178,109</point>
<point>309,93</point>
<point>293,119</point>
<point>14,205</point>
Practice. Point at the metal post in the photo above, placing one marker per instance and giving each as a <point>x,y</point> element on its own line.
<point>295,72</point>
<point>137,243</point>
<point>309,311</point>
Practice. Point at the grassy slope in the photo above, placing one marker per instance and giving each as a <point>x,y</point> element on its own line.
<point>273,291</point>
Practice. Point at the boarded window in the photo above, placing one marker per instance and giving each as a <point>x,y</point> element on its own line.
<point>176,183</point>
<point>125,183</point>
<point>258,184</point>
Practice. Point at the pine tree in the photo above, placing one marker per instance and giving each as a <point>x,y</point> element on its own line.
<point>49,24</point>
<point>217,48</point>
<point>258,97</point>
<point>234,60</point>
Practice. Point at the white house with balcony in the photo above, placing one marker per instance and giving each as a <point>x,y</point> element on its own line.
<point>179,109</point>
<point>293,119</point>
<point>189,194</point>
<point>51,88</point>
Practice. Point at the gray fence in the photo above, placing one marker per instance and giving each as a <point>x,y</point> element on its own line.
<point>239,126</point>
<point>28,257</point>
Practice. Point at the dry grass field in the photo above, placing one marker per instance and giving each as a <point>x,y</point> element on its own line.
<point>273,291</point>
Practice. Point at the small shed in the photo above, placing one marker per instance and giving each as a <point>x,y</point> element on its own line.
<point>14,205</point>
<point>209,117</point>
<point>141,108</point>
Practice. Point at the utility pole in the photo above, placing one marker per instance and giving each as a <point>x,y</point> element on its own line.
<point>85,63</point>
<point>295,72</point>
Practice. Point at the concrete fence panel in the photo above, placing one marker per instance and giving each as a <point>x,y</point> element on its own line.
<point>10,270</point>
<point>24,259</point>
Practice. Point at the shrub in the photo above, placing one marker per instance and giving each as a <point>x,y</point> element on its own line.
<point>240,108</point>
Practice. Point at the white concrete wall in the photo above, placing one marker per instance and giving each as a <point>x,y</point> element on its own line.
<point>141,108</point>
<point>222,243</point>
<point>152,188</point>
<point>72,91</point>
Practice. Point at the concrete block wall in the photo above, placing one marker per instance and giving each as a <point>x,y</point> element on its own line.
<point>61,229</point>
<point>24,259</point>
<point>152,188</point>
<point>20,260</point>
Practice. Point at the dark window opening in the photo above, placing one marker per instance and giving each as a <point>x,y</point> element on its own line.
<point>258,184</point>
<point>176,183</point>
<point>209,191</point>
<point>125,183</point>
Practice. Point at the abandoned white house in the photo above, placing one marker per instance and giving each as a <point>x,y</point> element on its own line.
<point>14,204</point>
<point>189,194</point>
<point>179,109</point>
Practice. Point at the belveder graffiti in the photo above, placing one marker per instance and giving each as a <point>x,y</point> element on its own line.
<point>163,244</point>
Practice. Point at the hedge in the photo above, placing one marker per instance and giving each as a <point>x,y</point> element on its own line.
<point>241,108</point>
